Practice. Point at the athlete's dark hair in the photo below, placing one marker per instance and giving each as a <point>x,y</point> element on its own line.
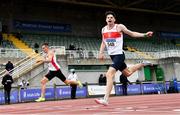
<point>110,12</point>
<point>45,44</point>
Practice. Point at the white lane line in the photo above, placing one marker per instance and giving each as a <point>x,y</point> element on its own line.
<point>176,110</point>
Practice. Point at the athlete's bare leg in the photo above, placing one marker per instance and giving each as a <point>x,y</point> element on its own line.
<point>45,80</point>
<point>111,73</point>
<point>43,89</point>
<point>69,82</point>
<point>130,70</point>
<point>43,86</point>
<point>109,76</point>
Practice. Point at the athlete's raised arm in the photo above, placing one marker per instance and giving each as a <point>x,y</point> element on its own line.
<point>134,34</point>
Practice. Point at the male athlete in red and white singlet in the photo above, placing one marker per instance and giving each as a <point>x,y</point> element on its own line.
<point>54,71</point>
<point>112,39</point>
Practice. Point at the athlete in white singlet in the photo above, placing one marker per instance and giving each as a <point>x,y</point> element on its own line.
<point>54,71</point>
<point>112,39</point>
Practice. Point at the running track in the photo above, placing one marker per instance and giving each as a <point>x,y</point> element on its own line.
<point>163,104</point>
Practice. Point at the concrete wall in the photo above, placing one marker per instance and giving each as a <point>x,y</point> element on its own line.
<point>92,77</point>
<point>171,68</point>
<point>168,71</point>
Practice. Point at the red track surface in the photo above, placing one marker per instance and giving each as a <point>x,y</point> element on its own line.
<point>168,104</point>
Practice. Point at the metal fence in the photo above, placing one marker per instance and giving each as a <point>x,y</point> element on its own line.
<point>15,53</point>
<point>88,54</point>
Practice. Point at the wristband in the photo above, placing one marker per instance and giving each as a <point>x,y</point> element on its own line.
<point>145,35</point>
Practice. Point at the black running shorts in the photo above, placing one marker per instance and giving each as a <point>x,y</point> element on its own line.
<point>118,62</point>
<point>52,74</point>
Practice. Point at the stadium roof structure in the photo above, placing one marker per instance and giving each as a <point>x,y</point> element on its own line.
<point>171,7</point>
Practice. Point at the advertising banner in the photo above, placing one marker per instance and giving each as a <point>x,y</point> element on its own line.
<point>169,35</point>
<point>41,26</point>
<point>153,88</point>
<point>33,94</point>
<point>13,97</point>
<point>98,90</point>
<point>65,92</point>
<point>131,89</point>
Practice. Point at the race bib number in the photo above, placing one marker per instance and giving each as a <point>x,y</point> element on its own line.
<point>111,42</point>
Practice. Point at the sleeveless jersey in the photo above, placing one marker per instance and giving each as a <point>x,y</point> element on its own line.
<point>113,40</point>
<point>53,65</point>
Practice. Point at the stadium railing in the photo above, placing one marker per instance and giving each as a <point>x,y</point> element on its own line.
<point>23,66</point>
<point>84,54</point>
<point>15,53</point>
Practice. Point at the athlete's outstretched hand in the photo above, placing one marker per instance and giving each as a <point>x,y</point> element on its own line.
<point>149,34</point>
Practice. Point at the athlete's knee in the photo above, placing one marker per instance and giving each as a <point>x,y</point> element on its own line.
<point>127,72</point>
<point>111,72</point>
<point>43,81</point>
<point>67,82</point>
<point>109,75</point>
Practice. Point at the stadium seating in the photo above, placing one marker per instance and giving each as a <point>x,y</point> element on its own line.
<point>7,44</point>
<point>86,43</point>
<point>151,45</point>
<point>92,43</point>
